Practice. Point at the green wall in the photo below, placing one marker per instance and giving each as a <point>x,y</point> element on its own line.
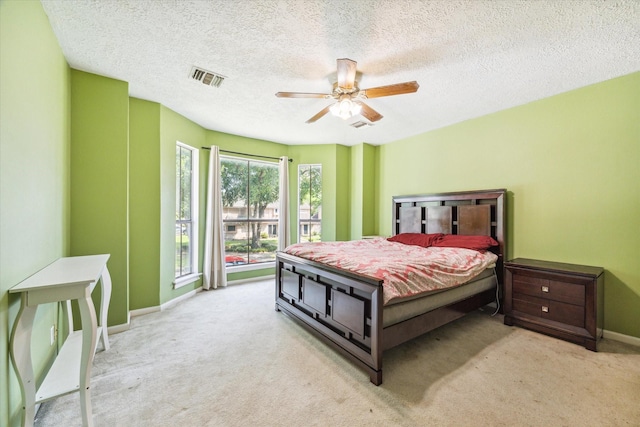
<point>357,188</point>
<point>342,193</point>
<point>241,144</point>
<point>144,204</point>
<point>369,187</point>
<point>571,164</point>
<point>34,176</point>
<point>100,179</point>
<point>363,190</point>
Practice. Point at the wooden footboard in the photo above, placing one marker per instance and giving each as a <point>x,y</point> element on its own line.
<point>342,309</point>
<point>345,311</point>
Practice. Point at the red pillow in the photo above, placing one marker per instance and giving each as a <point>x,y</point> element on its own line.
<point>416,239</point>
<point>477,243</point>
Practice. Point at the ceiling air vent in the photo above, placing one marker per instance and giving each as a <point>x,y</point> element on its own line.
<point>359,124</point>
<point>207,77</point>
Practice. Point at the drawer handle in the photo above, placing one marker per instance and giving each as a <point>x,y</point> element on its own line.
<point>545,289</point>
<point>545,309</point>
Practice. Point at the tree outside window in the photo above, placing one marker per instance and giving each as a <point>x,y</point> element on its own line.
<point>309,203</point>
<point>250,199</point>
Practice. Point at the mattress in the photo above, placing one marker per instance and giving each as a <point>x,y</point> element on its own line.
<point>410,307</point>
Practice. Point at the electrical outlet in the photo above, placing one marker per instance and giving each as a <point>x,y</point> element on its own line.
<point>52,334</point>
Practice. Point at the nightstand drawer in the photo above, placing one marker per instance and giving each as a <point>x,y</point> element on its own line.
<point>549,289</point>
<point>568,314</point>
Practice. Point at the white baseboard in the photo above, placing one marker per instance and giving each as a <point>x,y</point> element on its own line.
<point>116,329</point>
<point>142,311</point>
<point>147,310</point>
<point>173,302</point>
<point>166,305</point>
<point>251,279</point>
<point>616,336</point>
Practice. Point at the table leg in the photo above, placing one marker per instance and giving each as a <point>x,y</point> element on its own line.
<point>104,306</point>
<point>21,359</point>
<point>89,340</point>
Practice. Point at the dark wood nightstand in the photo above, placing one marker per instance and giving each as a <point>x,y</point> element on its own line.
<point>561,300</point>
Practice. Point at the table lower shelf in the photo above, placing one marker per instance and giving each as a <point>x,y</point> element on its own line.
<point>64,376</point>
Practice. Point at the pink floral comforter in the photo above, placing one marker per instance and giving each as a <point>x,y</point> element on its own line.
<point>406,270</point>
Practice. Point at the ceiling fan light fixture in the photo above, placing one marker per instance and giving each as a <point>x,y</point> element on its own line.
<point>355,109</point>
<point>345,108</point>
<point>335,109</point>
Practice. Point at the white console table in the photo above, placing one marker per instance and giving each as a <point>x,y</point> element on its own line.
<point>72,278</point>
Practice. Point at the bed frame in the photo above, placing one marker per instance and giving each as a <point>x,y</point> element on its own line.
<point>345,310</point>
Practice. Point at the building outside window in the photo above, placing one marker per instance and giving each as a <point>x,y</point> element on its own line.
<point>309,203</point>
<point>186,211</point>
<point>250,201</point>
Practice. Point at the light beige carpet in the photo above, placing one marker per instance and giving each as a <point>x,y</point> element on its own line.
<point>227,358</point>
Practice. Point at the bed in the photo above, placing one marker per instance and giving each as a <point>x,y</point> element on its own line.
<point>347,310</point>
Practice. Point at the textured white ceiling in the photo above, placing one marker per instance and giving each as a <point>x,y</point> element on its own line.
<point>470,57</point>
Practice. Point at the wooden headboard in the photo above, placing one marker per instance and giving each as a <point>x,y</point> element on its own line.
<point>471,212</point>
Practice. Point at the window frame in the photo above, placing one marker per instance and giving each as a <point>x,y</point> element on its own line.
<point>194,274</point>
<point>250,266</point>
<point>308,222</point>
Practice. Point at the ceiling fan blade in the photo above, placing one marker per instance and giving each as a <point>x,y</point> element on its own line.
<point>302,95</point>
<point>396,89</point>
<point>346,73</point>
<point>369,113</point>
<point>322,112</point>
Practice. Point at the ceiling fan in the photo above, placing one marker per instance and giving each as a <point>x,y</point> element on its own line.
<point>349,96</point>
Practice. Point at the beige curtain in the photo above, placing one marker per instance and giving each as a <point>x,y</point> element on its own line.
<point>283,217</point>
<point>214,271</point>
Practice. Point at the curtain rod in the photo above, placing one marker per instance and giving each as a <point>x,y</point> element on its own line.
<point>245,154</point>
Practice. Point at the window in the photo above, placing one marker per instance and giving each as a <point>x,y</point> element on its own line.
<point>250,199</point>
<point>309,203</point>
<point>186,213</point>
